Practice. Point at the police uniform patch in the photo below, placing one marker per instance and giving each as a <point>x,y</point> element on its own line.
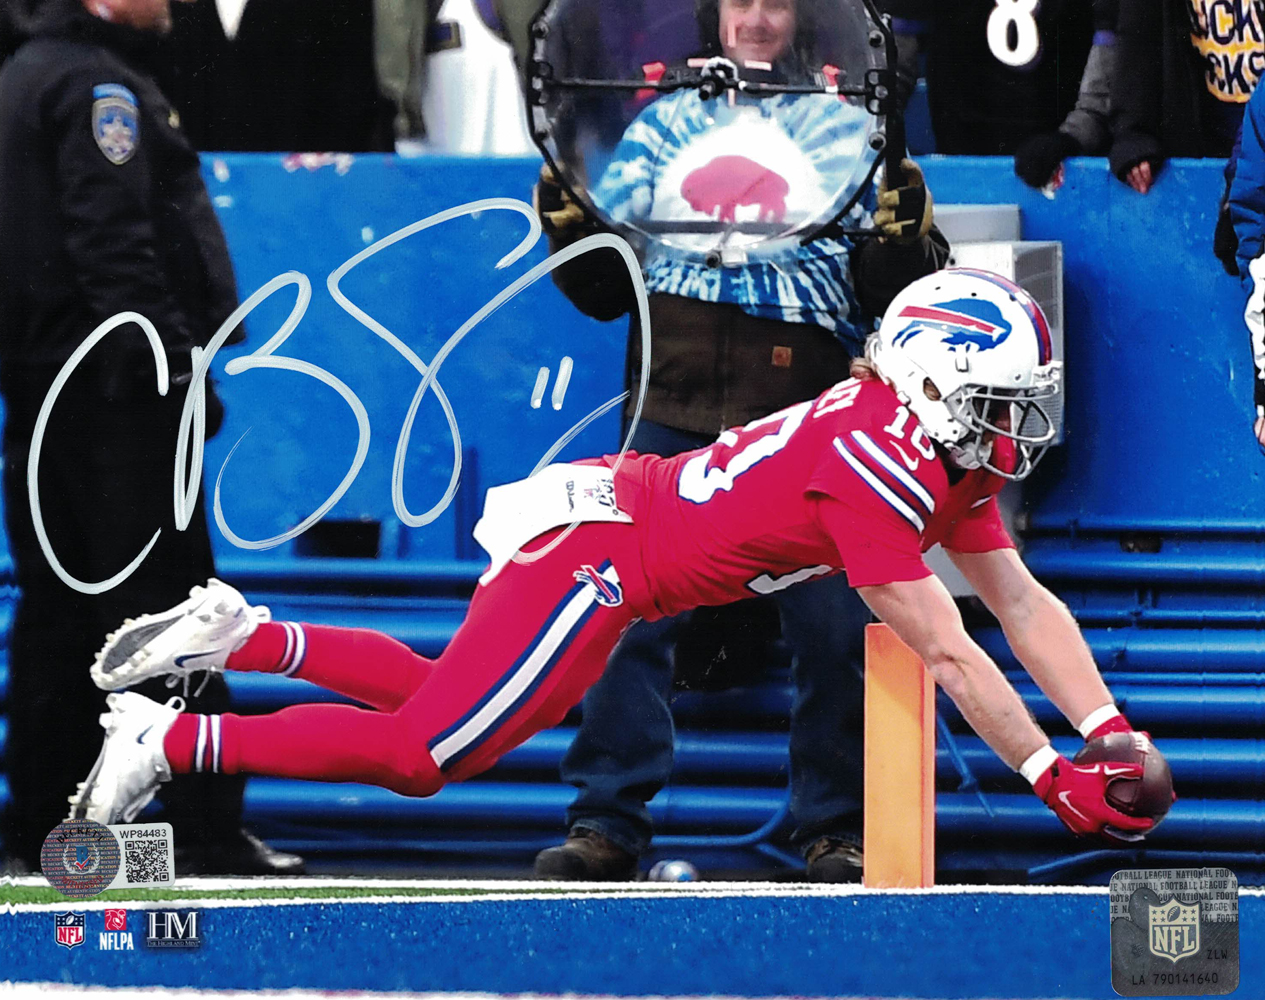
<point>115,122</point>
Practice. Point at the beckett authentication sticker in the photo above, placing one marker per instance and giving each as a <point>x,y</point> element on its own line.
<point>149,856</point>
<point>80,858</point>
<point>1174,932</point>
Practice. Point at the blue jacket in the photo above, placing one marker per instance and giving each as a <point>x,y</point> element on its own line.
<point>1247,190</point>
<point>1247,212</point>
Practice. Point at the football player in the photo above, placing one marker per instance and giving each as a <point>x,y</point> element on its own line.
<point>946,407</point>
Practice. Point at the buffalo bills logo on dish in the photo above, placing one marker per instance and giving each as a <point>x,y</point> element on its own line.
<point>968,323</point>
<point>729,183</point>
<point>607,593</point>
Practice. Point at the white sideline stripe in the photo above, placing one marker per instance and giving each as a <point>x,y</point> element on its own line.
<point>531,891</point>
<point>880,487</point>
<point>890,464</point>
<point>523,678</point>
<point>222,883</point>
<point>600,891</point>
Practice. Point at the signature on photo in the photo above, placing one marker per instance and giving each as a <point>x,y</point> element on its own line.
<point>190,440</point>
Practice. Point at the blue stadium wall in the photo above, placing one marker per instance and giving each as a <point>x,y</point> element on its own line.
<point>1149,521</point>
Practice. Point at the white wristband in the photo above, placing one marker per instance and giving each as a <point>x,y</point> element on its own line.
<point>1097,717</point>
<point>1038,763</point>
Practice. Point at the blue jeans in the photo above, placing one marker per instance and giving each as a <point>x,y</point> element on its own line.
<point>622,755</point>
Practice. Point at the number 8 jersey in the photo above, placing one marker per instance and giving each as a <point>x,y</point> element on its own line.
<point>848,481</point>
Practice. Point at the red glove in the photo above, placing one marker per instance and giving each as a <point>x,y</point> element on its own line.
<point>1077,793</point>
<point>1116,724</point>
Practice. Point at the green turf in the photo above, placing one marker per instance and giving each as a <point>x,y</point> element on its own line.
<point>11,895</point>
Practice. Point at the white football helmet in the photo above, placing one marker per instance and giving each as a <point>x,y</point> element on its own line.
<point>969,353</point>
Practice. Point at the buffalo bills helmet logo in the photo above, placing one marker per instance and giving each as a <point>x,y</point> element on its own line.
<point>966,323</point>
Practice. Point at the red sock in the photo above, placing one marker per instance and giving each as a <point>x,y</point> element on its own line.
<point>315,742</point>
<point>180,741</point>
<point>331,743</point>
<point>265,651</point>
<point>363,664</point>
<point>195,744</point>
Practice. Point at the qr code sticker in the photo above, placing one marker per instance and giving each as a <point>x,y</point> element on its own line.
<point>148,854</point>
<point>145,860</point>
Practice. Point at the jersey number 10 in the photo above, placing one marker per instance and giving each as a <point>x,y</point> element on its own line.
<point>698,484</point>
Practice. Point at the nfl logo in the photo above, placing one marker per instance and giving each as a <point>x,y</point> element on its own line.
<point>1174,930</point>
<point>70,929</point>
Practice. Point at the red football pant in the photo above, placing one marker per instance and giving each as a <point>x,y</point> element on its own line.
<point>533,641</point>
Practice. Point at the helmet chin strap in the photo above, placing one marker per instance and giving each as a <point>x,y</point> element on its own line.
<point>970,454</point>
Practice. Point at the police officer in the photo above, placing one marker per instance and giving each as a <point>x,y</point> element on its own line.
<point>102,211</point>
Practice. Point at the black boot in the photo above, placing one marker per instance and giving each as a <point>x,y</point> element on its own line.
<point>235,853</point>
<point>587,856</point>
<point>834,859</point>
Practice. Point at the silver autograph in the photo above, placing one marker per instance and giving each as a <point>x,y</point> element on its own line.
<point>191,434</point>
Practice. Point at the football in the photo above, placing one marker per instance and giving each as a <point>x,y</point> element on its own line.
<point>1152,794</point>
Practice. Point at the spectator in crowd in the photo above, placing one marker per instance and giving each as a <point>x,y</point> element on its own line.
<point>272,75</point>
<point>990,90</point>
<point>400,30</point>
<point>1185,69</point>
<point>726,347</point>
<point>472,100</point>
<point>1246,210</point>
<point>102,211</point>
<point>448,67</point>
<point>1185,73</point>
<point>1086,131</point>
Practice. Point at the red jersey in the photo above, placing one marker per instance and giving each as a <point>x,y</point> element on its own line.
<point>848,481</point>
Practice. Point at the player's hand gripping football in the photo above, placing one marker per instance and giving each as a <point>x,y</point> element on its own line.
<point>1077,794</point>
<point>905,212</point>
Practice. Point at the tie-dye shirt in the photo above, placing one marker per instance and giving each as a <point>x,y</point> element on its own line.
<point>774,159</point>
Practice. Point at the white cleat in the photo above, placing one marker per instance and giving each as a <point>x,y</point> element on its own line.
<point>131,764</point>
<point>197,634</point>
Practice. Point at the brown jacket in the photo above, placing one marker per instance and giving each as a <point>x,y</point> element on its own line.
<point>712,365</point>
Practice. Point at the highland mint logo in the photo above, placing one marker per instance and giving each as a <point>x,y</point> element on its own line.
<point>172,929</point>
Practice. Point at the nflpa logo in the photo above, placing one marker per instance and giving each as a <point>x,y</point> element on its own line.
<point>172,929</point>
<point>116,920</point>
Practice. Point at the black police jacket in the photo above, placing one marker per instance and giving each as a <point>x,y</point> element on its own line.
<point>102,210</point>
